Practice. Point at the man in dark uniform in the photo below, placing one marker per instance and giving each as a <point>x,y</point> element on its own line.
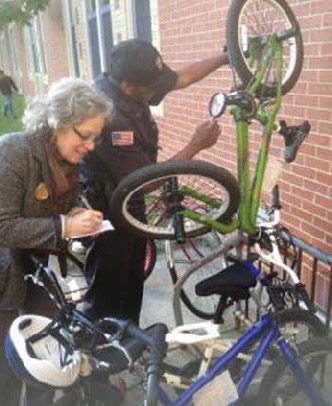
<point>137,78</point>
<point>7,88</point>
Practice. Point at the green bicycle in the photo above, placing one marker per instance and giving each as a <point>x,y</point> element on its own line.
<point>181,199</point>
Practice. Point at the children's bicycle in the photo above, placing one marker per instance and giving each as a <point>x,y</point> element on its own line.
<point>180,199</point>
<point>176,200</point>
<point>73,353</point>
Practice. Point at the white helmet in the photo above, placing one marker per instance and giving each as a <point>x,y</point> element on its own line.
<point>44,361</point>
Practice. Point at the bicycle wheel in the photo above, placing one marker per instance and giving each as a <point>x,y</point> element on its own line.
<point>150,258</point>
<point>143,203</point>
<point>251,21</point>
<point>279,385</point>
<point>297,326</point>
<point>180,257</point>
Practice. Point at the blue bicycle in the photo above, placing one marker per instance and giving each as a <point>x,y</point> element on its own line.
<point>71,350</point>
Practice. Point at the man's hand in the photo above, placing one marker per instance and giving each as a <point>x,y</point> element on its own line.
<point>206,135</point>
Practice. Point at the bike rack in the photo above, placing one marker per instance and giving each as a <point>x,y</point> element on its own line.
<point>235,241</point>
<point>316,257</point>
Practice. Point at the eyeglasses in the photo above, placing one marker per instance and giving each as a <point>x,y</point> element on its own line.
<point>87,139</point>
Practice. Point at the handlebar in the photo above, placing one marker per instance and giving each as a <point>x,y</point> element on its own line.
<point>276,198</point>
<point>154,338</point>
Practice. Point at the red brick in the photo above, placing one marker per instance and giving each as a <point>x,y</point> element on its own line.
<point>326,49</point>
<point>303,171</point>
<point>290,199</point>
<point>312,76</point>
<point>317,164</point>
<point>323,62</point>
<point>325,76</point>
<point>319,114</point>
<point>322,224</point>
<point>310,22</point>
<point>326,154</point>
<point>320,7</point>
<point>314,209</point>
<point>325,202</point>
<point>320,89</point>
<point>294,111</point>
<point>301,10</point>
<point>327,19</point>
<point>307,149</point>
<point>325,102</point>
<point>302,193</point>
<point>313,231</point>
<point>305,100</point>
<point>291,220</point>
<point>325,179</point>
<point>315,187</point>
<point>292,178</point>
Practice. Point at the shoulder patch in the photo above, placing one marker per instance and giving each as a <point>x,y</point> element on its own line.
<point>122,138</point>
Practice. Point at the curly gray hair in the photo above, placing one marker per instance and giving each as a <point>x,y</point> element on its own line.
<point>68,103</point>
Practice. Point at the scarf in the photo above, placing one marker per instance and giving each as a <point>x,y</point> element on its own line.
<point>64,177</point>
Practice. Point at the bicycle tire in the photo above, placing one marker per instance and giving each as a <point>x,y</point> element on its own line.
<point>132,200</point>
<point>194,250</point>
<point>236,28</point>
<point>269,390</point>
<point>316,329</point>
<point>150,258</point>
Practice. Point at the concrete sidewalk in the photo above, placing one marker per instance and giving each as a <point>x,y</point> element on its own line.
<point>157,307</point>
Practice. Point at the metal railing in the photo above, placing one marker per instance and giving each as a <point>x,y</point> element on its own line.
<point>316,257</point>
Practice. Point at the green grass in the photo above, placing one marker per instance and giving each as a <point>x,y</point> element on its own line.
<point>10,124</point>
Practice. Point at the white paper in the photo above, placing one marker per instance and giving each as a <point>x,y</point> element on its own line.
<point>106,225</point>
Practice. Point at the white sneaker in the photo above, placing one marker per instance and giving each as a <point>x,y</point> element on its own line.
<point>78,248</point>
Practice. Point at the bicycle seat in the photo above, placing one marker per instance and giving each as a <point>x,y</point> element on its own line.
<point>233,282</point>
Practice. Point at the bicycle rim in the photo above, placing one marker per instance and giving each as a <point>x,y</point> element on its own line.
<point>186,255</point>
<point>281,385</point>
<point>158,216</point>
<point>249,21</point>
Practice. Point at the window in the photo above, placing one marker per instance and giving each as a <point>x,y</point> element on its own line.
<point>35,46</point>
<point>142,19</point>
<point>91,6</point>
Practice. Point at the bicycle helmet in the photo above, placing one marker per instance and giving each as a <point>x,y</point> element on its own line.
<point>47,359</point>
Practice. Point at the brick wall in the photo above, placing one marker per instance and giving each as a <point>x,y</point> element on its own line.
<point>194,29</point>
<point>54,39</point>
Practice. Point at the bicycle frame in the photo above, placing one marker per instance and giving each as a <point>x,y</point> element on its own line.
<point>250,193</point>
<point>267,331</point>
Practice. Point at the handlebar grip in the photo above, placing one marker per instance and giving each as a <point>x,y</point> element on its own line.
<point>141,335</point>
<point>178,228</point>
<point>154,369</point>
<point>276,197</point>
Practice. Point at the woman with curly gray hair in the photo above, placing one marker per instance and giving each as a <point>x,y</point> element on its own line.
<point>38,189</point>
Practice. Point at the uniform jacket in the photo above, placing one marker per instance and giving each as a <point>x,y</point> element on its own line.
<point>109,163</point>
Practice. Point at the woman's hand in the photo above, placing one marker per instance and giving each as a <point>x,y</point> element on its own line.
<point>82,222</point>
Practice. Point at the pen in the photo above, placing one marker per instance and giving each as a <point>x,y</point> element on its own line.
<point>85,202</point>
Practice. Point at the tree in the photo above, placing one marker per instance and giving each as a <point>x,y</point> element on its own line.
<point>20,11</point>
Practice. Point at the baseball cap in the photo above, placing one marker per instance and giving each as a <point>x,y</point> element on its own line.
<point>139,63</point>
